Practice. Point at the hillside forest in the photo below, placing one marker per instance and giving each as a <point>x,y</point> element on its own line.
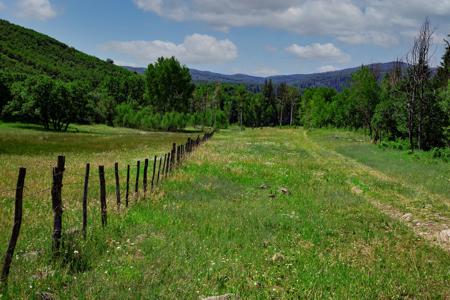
<point>47,82</point>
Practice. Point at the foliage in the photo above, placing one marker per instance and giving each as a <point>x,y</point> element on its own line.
<point>169,86</point>
<point>25,51</point>
<point>53,103</point>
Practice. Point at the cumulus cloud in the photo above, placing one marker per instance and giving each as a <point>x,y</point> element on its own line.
<point>36,9</point>
<point>327,68</point>
<point>196,49</point>
<point>351,21</point>
<point>328,52</point>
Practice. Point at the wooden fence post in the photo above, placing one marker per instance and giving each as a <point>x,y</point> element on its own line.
<point>58,173</point>
<point>164,166</point>
<point>159,170</point>
<point>116,174</point>
<point>101,173</point>
<point>173,155</point>
<point>16,227</point>
<point>138,171</point>
<point>85,195</point>
<point>153,176</point>
<point>168,164</point>
<point>145,175</point>
<point>128,186</point>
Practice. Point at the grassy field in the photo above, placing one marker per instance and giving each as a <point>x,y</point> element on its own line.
<point>263,213</point>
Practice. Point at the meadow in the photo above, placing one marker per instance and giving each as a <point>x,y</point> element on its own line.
<point>260,213</point>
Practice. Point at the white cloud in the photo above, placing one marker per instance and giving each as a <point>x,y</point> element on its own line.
<point>36,9</point>
<point>265,72</point>
<point>351,21</point>
<point>328,52</point>
<point>196,49</point>
<point>328,68</point>
<point>377,38</point>
<point>149,5</point>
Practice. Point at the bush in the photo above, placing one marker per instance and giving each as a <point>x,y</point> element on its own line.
<point>442,153</point>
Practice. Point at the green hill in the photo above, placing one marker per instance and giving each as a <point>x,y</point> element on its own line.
<point>25,51</point>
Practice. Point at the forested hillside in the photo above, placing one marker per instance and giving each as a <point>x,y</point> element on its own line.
<point>27,52</point>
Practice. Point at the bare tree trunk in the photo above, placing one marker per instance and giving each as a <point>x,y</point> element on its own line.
<point>418,60</point>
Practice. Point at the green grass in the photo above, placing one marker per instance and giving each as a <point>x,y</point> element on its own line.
<point>211,229</point>
<point>418,169</point>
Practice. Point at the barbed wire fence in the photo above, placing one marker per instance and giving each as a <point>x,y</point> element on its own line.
<point>163,167</point>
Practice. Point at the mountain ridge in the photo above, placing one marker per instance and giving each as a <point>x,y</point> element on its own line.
<point>338,79</point>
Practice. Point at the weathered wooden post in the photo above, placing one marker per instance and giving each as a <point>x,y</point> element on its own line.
<point>16,228</point>
<point>138,171</point>
<point>168,164</point>
<point>85,195</point>
<point>101,173</point>
<point>159,170</point>
<point>145,175</point>
<point>173,155</point>
<point>127,192</point>
<point>164,166</point>
<point>58,173</point>
<point>116,174</point>
<point>154,170</point>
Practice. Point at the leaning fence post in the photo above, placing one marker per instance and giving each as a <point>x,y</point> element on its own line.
<point>145,175</point>
<point>138,171</point>
<point>116,174</point>
<point>127,192</point>
<point>16,227</point>
<point>153,176</point>
<point>85,195</point>
<point>101,173</point>
<point>58,173</point>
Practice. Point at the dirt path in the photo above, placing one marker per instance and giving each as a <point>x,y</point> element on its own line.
<point>426,222</point>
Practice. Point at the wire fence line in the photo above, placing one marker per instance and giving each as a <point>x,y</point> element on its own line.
<point>153,170</point>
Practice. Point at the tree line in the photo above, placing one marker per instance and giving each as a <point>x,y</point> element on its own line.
<point>411,103</point>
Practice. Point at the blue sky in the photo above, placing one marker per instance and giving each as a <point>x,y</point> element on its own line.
<point>258,37</point>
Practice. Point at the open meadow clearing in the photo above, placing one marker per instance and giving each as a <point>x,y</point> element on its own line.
<point>262,213</point>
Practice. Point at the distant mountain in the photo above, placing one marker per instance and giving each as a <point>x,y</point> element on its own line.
<point>335,79</point>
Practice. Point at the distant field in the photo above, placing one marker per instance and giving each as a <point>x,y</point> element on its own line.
<point>263,213</point>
